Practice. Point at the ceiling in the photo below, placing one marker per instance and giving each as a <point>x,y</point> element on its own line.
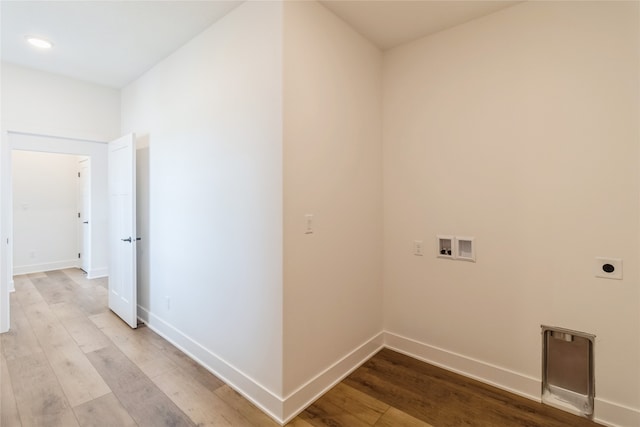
<point>114,42</point>
<point>106,42</point>
<point>390,23</point>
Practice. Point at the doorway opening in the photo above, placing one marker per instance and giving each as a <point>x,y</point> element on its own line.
<point>96,155</point>
<point>51,211</point>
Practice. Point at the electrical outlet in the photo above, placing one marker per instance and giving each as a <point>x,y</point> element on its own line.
<point>608,268</point>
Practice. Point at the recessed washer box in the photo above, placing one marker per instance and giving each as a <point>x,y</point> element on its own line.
<point>608,268</point>
<point>465,249</point>
<point>446,246</point>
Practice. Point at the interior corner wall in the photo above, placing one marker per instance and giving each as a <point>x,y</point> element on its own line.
<point>211,116</point>
<point>45,206</point>
<point>333,171</point>
<point>520,129</point>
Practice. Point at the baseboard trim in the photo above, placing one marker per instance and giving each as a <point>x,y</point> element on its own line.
<point>253,391</point>
<point>513,382</point>
<point>47,266</point>
<point>97,273</point>
<point>306,394</point>
<point>615,415</point>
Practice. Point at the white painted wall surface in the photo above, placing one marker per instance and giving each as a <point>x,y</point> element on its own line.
<point>332,170</point>
<point>212,115</point>
<point>47,104</point>
<point>45,207</point>
<point>521,129</point>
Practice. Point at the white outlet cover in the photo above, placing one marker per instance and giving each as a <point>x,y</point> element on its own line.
<point>614,264</point>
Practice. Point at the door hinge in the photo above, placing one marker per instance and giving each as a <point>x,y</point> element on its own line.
<point>78,174</point>
<point>78,254</point>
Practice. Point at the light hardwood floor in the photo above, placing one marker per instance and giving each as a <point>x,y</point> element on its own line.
<point>68,361</point>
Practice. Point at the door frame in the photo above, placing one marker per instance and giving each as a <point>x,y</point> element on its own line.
<point>95,150</point>
<point>84,236</point>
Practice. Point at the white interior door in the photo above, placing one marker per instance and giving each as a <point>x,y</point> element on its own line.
<point>122,229</point>
<point>84,192</point>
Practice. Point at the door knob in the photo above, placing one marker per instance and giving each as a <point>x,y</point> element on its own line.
<point>128,239</point>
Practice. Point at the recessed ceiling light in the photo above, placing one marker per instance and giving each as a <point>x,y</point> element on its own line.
<point>39,42</point>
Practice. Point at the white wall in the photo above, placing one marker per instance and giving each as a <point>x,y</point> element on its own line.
<point>332,170</point>
<point>521,129</point>
<point>47,104</point>
<point>45,207</point>
<point>211,115</point>
<point>39,103</point>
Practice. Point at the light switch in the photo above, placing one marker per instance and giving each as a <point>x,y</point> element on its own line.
<point>418,248</point>
<point>308,220</point>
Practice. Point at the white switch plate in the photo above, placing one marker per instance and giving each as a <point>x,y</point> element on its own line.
<point>418,248</point>
<point>308,220</point>
<point>603,264</point>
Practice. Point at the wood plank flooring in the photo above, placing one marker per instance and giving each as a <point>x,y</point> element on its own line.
<point>68,361</point>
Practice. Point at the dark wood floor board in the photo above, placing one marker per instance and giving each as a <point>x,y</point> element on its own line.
<point>361,405</point>
<point>493,400</point>
<point>105,411</point>
<point>394,418</point>
<point>456,400</point>
<point>323,413</point>
<point>142,399</point>
<point>418,405</point>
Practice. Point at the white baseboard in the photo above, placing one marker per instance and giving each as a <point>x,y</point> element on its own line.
<point>97,273</point>
<point>47,266</point>
<point>267,401</point>
<point>513,382</point>
<point>305,395</point>
<point>615,415</point>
